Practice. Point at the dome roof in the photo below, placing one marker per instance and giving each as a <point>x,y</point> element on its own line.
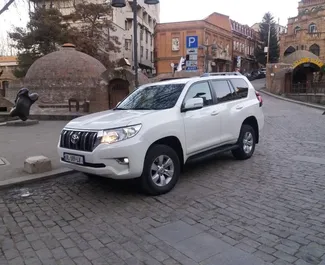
<point>67,63</point>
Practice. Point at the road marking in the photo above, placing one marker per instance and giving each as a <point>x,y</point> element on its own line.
<point>3,162</point>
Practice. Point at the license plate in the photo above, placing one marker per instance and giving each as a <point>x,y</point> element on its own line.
<point>74,159</point>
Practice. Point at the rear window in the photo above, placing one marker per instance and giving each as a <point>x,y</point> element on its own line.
<point>240,86</point>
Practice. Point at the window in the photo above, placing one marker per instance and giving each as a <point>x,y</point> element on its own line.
<point>223,91</point>
<point>141,51</point>
<point>128,44</point>
<point>240,86</point>
<point>155,97</point>
<point>147,54</point>
<point>200,90</point>
<point>297,29</point>
<point>315,49</point>
<point>141,34</point>
<point>147,36</point>
<point>312,28</point>
<point>151,38</point>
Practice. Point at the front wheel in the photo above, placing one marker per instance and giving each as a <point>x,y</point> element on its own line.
<point>246,142</point>
<point>161,170</point>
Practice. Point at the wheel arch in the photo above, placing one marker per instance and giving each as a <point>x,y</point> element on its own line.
<point>174,143</point>
<point>252,121</point>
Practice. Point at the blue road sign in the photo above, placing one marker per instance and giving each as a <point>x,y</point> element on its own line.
<point>191,68</point>
<point>192,42</point>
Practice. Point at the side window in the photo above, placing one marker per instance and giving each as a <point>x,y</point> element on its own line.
<point>223,90</point>
<point>202,90</point>
<point>241,87</point>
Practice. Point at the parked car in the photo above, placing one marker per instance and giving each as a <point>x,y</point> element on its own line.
<point>160,127</point>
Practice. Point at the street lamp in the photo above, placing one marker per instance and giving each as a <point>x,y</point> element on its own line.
<point>268,42</point>
<point>207,55</point>
<point>122,3</point>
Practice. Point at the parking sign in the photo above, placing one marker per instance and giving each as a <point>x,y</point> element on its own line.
<point>192,42</point>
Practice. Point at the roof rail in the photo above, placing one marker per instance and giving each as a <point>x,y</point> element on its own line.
<point>220,73</point>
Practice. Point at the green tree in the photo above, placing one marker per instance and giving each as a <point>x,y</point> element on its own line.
<point>44,33</point>
<point>274,49</point>
<point>94,32</point>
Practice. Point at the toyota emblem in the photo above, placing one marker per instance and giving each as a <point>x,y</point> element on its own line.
<point>74,138</point>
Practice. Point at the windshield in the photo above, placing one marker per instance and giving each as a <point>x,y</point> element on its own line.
<point>156,97</point>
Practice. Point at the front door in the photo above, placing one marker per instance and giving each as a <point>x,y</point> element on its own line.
<point>202,126</point>
<point>118,89</point>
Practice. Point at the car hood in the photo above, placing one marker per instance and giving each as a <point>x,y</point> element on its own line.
<point>108,119</point>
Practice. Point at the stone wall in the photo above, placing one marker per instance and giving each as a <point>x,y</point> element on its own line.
<point>57,90</point>
<point>5,103</point>
<point>275,77</point>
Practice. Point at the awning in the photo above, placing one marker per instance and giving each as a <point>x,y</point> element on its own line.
<point>302,57</point>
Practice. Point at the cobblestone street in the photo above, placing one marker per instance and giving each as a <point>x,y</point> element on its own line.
<point>271,207</point>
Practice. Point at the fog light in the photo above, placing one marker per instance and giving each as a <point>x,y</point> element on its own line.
<point>123,161</point>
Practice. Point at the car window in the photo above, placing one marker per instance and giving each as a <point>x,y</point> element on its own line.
<point>200,90</point>
<point>155,97</point>
<point>223,91</point>
<point>240,86</point>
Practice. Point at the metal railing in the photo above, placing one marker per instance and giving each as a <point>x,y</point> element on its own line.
<point>309,88</point>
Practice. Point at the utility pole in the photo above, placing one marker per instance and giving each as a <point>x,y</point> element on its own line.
<point>268,44</point>
<point>6,6</point>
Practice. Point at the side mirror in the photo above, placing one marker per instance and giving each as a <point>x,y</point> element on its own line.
<point>193,104</point>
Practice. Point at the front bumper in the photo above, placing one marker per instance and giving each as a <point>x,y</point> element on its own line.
<point>103,160</point>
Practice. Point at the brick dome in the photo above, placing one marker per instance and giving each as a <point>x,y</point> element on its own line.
<point>67,63</point>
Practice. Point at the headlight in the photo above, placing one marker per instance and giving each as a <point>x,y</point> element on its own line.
<point>117,135</point>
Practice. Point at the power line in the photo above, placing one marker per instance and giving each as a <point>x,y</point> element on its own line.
<point>6,6</point>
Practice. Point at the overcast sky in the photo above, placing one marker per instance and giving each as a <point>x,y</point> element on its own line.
<point>245,12</point>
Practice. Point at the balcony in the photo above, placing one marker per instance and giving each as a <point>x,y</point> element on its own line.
<point>315,36</point>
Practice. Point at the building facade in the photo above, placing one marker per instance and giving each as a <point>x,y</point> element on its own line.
<point>148,17</point>
<point>279,28</point>
<point>306,31</point>
<point>207,44</point>
<point>7,66</point>
<point>245,41</point>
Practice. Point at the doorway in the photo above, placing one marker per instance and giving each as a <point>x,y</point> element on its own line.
<point>118,89</point>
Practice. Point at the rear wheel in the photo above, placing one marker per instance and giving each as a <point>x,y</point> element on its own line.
<point>161,170</point>
<point>246,142</point>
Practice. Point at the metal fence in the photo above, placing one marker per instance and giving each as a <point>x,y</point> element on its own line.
<point>309,88</point>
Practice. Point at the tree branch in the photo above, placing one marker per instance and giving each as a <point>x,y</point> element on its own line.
<point>6,6</point>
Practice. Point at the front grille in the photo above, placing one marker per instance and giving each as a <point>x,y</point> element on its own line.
<point>86,141</point>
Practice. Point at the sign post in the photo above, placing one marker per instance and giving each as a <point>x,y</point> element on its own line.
<point>192,45</point>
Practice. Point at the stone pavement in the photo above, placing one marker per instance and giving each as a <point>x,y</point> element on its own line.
<point>270,208</point>
<point>19,143</point>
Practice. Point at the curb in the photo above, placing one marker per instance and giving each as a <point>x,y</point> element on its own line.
<point>293,101</point>
<point>35,177</point>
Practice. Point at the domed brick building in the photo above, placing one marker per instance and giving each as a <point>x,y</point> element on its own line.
<point>69,74</point>
<point>64,74</point>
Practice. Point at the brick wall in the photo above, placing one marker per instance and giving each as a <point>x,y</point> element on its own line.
<point>56,90</point>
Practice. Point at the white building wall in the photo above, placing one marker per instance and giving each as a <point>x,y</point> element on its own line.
<point>148,17</point>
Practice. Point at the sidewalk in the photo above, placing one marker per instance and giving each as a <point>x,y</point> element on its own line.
<point>19,143</point>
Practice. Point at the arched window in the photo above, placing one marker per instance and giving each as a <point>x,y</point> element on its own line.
<point>312,28</point>
<point>297,29</point>
<point>289,50</point>
<point>315,49</point>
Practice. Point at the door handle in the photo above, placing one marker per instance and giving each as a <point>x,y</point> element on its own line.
<point>215,113</point>
<point>239,107</point>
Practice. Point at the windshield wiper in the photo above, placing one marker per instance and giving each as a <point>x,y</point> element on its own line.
<point>120,109</point>
<point>142,108</point>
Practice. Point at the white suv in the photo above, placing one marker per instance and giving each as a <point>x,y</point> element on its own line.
<point>161,126</point>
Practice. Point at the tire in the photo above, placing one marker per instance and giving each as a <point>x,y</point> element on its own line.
<point>247,136</point>
<point>159,155</point>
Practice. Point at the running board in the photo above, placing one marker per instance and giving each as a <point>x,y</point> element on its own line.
<point>209,153</point>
